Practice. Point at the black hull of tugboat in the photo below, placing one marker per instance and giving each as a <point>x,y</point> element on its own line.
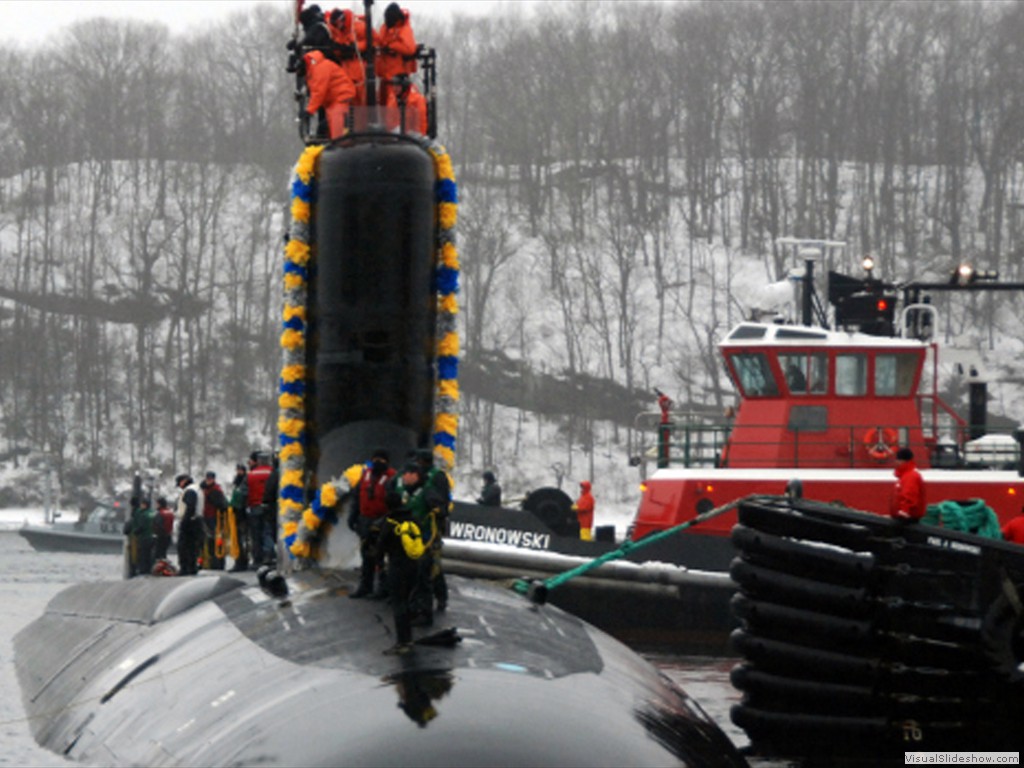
<point>862,637</point>
<point>671,596</point>
<point>519,528</point>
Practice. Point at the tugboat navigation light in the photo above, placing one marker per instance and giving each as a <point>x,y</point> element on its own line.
<point>962,275</point>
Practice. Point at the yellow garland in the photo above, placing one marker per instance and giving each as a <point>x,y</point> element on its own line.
<point>307,163</point>
<point>290,427</point>
<point>293,373</point>
<point>450,304</point>
<point>300,548</point>
<point>290,313</point>
<point>450,256</point>
<point>292,339</point>
<point>353,475</point>
<point>328,496</point>
<point>290,402</point>
<point>297,252</point>
<point>290,451</point>
<point>449,345</point>
<point>293,281</point>
<point>444,165</point>
<point>289,527</point>
<point>291,506</point>
<point>446,454</point>
<point>447,422</point>
<point>447,214</point>
<point>449,388</point>
<point>300,210</point>
<point>310,520</point>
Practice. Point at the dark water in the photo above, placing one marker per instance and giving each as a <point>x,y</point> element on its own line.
<point>706,679</point>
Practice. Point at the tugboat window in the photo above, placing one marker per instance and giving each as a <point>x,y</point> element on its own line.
<point>755,375</point>
<point>795,368</point>
<point>894,374</point>
<point>819,374</point>
<point>805,373</point>
<point>748,332</point>
<point>852,375</point>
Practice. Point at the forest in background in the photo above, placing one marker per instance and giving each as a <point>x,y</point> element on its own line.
<point>624,171</point>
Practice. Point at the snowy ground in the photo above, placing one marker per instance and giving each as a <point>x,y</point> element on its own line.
<point>13,519</point>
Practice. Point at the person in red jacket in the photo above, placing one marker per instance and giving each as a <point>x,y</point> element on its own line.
<point>366,516</point>
<point>396,48</point>
<point>349,40</point>
<point>330,90</point>
<point>260,537</point>
<point>584,509</point>
<point>1014,530</point>
<point>908,500</point>
<point>215,505</point>
<point>164,528</point>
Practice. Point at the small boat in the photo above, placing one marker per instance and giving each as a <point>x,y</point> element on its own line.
<point>100,532</point>
<point>863,636</point>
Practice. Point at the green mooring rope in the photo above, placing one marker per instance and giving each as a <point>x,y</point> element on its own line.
<point>524,587</point>
<point>971,516</point>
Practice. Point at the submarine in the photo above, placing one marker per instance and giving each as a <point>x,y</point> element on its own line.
<point>281,667</point>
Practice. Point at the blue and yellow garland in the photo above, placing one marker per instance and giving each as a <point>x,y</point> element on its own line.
<point>446,288</point>
<point>300,526</point>
<point>291,422</point>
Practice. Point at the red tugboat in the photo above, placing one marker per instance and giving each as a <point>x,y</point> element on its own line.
<point>830,408</point>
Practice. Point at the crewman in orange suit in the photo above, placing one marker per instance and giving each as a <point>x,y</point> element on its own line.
<point>415,106</point>
<point>584,508</point>
<point>396,48</point>
<point>348,32</point>
<point>330,89</point>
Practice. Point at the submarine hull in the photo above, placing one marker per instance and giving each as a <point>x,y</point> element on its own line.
<point>213,671</point>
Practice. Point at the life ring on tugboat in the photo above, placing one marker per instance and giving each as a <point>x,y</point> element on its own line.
<point>880,442</point>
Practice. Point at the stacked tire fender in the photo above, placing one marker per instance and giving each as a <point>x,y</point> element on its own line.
<point>862,637</point>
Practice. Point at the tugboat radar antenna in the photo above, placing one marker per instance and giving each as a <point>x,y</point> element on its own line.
<point>809,251</point>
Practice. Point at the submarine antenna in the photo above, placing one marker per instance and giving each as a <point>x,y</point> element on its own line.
<point>370,61</point>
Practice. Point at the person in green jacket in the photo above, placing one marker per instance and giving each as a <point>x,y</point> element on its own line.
<point>437,490</point>
<point>401,543</point>
<point>143,534</point>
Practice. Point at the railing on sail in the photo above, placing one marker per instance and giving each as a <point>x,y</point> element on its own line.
<point>336,122</point>
<point>403,118</point>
